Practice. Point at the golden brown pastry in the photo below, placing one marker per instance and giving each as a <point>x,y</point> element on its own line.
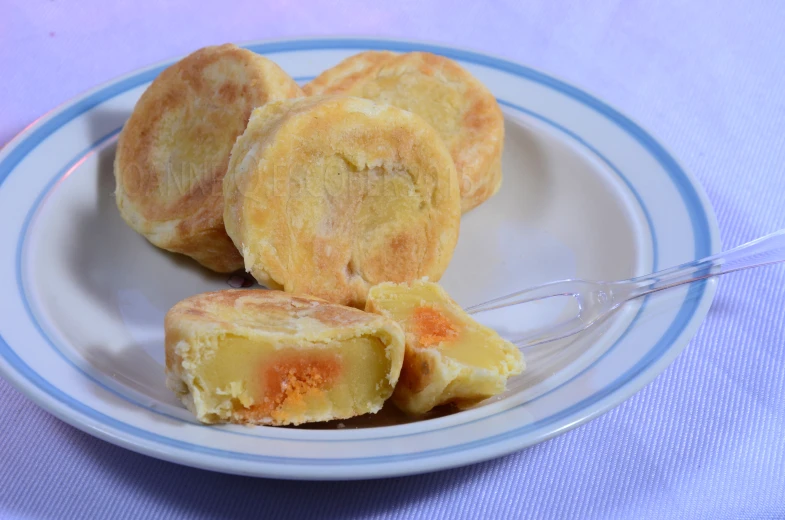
<point>330,195</point>
<point>461,109</point>
<point>173,152</point>
<point>450,358</point>
<point>267,357</point>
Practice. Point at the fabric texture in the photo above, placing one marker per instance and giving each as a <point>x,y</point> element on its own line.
<point>705,439</point>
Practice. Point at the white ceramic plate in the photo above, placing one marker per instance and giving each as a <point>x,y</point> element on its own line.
<point>587,193</point>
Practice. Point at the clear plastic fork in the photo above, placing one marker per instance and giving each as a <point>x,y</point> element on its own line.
<point>598,300</point>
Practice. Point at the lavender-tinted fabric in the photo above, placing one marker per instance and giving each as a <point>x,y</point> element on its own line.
<point>705,440</point>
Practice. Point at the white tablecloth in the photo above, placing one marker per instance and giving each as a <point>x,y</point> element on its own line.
<point>705,440</point>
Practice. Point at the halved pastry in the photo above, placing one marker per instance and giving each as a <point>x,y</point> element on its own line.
<point>173,151</point>
<point>267,357</point>
<point>330,195</point>
<point>450,358</point>
<point>462,110</point>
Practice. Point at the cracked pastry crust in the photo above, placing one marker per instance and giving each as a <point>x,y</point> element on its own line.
<point>450,358</point>
<point>462,110</point>
<point>173,151</point>
<point>268,357</point>
<point>331,195</point>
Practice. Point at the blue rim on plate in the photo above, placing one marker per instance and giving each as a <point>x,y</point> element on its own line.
<point>702,223</point>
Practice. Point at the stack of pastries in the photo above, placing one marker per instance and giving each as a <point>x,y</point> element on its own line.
<point>343,198</point>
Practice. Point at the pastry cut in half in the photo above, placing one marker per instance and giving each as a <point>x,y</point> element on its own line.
<point>330,195</point>
<point>173,152</point>
<point>463,111</point>
<point>267,357</point>
<point>450,358</point>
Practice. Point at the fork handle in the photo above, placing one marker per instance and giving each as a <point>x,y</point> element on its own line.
<point>766,250</point>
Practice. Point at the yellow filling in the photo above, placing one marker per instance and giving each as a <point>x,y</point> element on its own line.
<point>450,358</point>
<point>260,381</point>
<point>433,323</point>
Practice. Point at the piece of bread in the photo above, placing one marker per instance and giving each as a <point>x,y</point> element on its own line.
<point>267,357</point>
<point>331,195</point>
<point>450,358</point>
<point>173,151</point>
<point>462,110</point>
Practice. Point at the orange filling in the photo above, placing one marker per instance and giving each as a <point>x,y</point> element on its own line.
<point>433,327</point>
<point>293,380</point>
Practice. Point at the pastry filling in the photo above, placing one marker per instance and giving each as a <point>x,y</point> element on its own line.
<point>450,358</point>
<point>261,381</point>
<point>434,325</point>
